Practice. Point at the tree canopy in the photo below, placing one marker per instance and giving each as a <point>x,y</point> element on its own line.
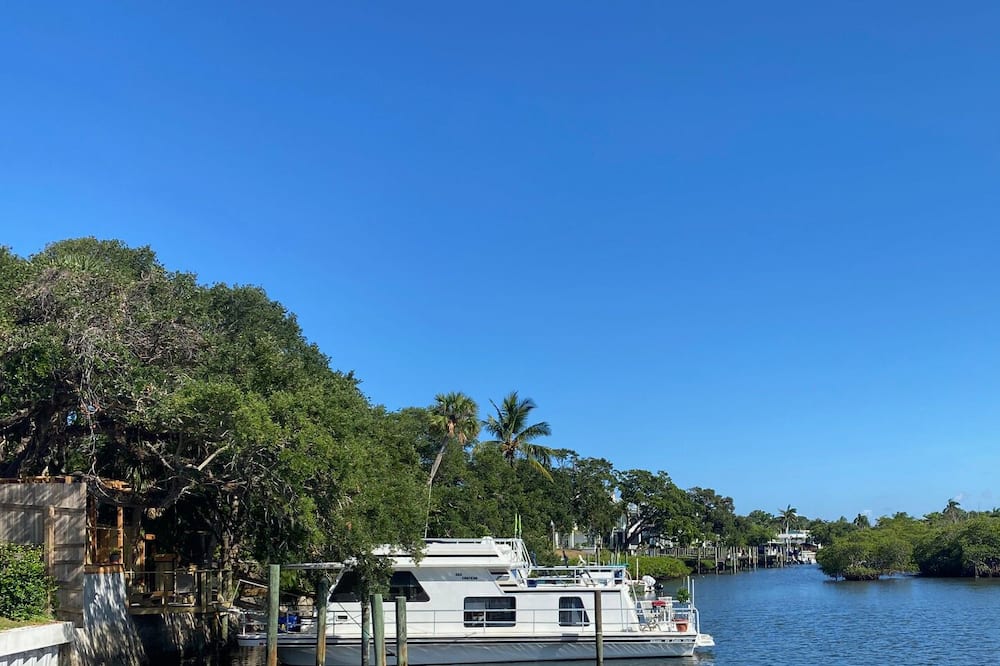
<point>207,400</point>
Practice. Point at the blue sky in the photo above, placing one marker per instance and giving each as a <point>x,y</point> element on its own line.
<point>754,245</point>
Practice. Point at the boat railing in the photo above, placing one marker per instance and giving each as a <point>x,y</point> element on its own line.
<point>647,615</point>
<point>518,552</point>
<point>587,576</point>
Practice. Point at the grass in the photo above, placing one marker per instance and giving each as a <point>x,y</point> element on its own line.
<point>14,624</point>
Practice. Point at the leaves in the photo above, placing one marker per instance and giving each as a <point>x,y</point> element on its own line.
<point>514,436</point>
<point>208,400</point>
<point>24,587</point>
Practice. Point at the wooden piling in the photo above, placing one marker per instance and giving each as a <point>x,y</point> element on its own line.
<point>378,629</point>
<point>402,652</point>
<point>273,592</point>
<point>322,600</point>
<point>598,628</point>
<point>366,617</point>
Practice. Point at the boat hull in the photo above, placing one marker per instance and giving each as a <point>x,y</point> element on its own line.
<point>301,651</point>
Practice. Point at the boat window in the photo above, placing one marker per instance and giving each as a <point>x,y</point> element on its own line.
<point>571,612</point>
<point>490,611</point>
<point>347,588</point>
<point>402,584</point>
<point>405,584</point>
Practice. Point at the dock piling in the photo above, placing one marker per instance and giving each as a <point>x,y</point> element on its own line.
<point>378,629</point>
<point>273,595</point>
<point>598,628</point>
<point>366,617</point>
<point>402,653</point>
<point>322,599</point>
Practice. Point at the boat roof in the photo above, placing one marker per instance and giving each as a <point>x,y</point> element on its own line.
<point>484,551</point>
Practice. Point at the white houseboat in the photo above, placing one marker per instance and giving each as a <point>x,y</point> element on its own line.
<point>482,601</point>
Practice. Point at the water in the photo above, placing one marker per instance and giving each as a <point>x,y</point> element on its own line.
<point>796,616</point>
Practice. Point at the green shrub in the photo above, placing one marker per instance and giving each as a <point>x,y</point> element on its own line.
<point>24,587</point>
<point>662,567</point>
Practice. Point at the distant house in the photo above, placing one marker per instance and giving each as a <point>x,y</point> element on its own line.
<point>791,538</point>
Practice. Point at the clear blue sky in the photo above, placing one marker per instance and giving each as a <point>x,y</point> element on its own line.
<point>752,244</point>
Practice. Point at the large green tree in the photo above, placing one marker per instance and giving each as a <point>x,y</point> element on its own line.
<point>656,506</point>
<point>592,484</point>
<point>208,401</point>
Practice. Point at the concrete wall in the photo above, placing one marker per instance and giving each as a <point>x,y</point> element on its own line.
<point>108,635</point>
<point>44,645</point>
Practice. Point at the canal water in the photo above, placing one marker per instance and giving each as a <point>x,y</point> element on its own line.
<point>796,616</point>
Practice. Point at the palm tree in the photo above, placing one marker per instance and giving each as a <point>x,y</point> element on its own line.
<point>514,437</point>
<point>789,514</point>
<point>953,512</point>
<point>456,417</point>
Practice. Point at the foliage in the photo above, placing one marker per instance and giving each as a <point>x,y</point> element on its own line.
<point>24,587</point>
<point>662,567</point>
<point>514,436</point>
<point>970,548</point>
<point>789,516</point>
<point>657,506</point>
<point>591,482</point>
<point>207,400</point>
<point>715,513</point>
<point>453,418</point>
<point>867,554</point>
<point>824,533</point>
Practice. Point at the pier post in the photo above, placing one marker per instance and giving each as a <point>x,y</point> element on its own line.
<point>273,592</point>
<point>378,629</point>
<point>598,628</point>
<point>322,600</point>
<point>402,652</point>
<point>366,618</point>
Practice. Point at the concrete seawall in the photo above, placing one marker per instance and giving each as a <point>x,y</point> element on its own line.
<point>42,645</point>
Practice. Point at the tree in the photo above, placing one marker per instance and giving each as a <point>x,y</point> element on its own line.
<point>953,512</point>
<point>455,417</point>
<point>514,436</point>
<point>789,514</point>
<point>824,533</point>
<point>592,487</point>
<point>763,518</point>
<point>208,401</point>
<point>656,505</point>
<point>715,512</point>
<point>867,555</point>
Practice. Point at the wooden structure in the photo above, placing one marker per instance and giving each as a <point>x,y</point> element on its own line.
<point>90,528</point>
<point>50,512</point>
